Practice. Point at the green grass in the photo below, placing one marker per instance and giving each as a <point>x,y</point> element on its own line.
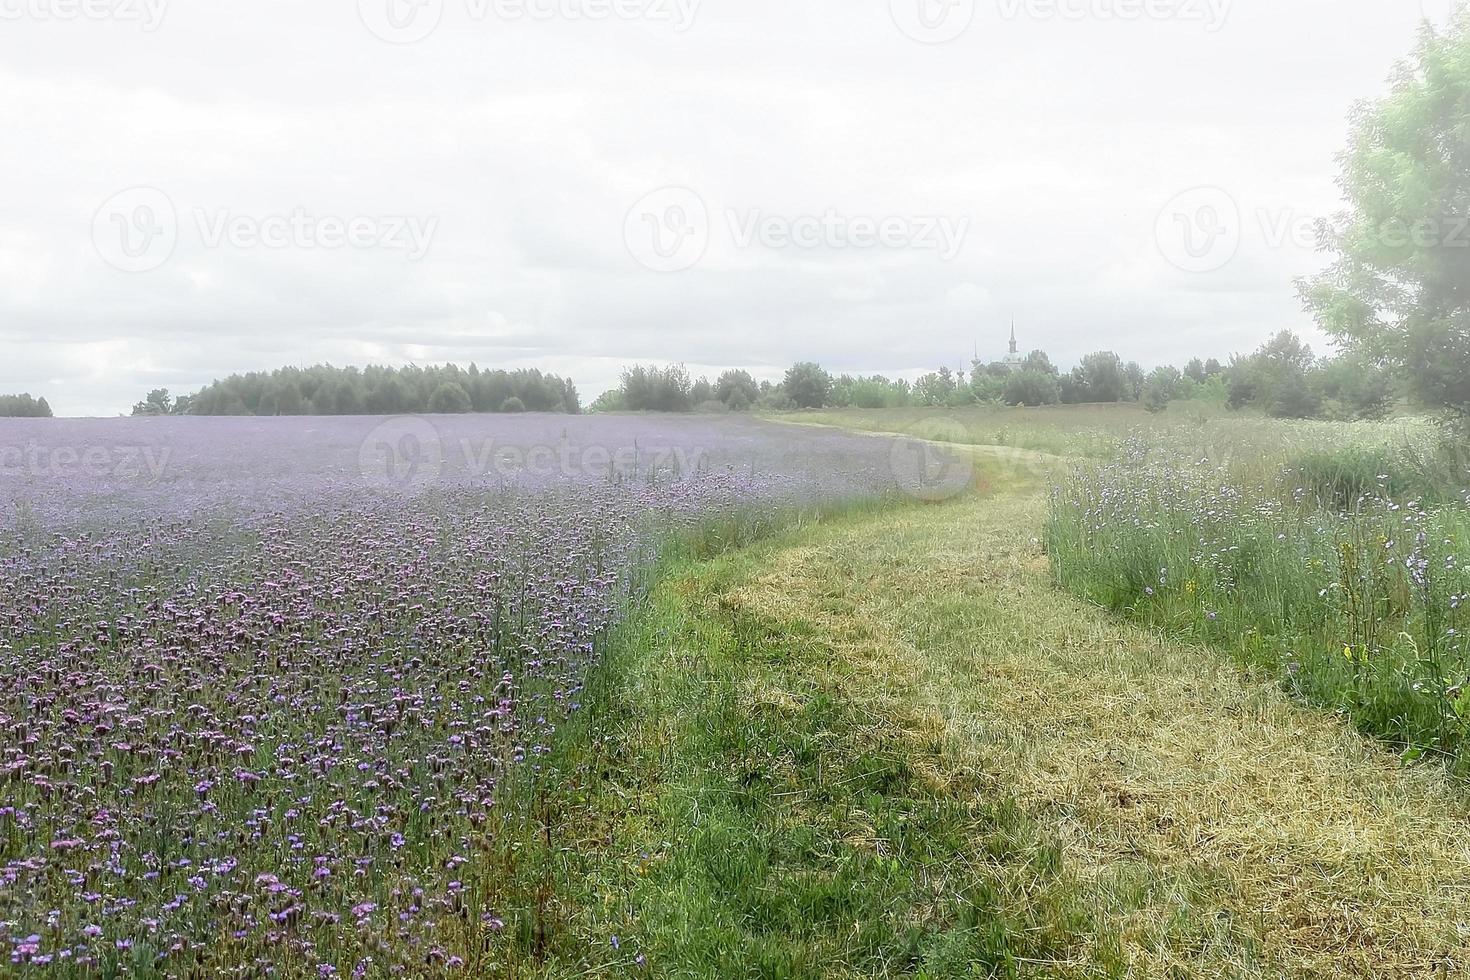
<point>1113,431</point>
<point>1345,573</point>
<point>881,743</point>
<point>766,826</point>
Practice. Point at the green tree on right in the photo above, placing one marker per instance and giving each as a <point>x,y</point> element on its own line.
<point>1398,292</point>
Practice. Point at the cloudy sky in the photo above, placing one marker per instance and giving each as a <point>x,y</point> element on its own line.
<point>198,187</point>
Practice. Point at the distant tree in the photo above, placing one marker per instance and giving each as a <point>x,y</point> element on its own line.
<point>512,406</point>
<point>289,400</point>
<point>24,407</point>
<point>346,399</point>
<point>1103,378</point>
<point>1356,388</point>
<point>868,392</point>
<point>609,401</point>
<point>1399,290</point>
<point>158,402</point>
<point>737,390</point>
<point>1164,384</point>
<point>1133,381</point>
<point>988,381</point>
<point>1277,379</point>
<point>450,399</point>
<point>1033,388</point>
<point>327,390</point>
<point>774,399</point>
<point>657,389</point>
<point>1213,368</point>
<point>1195,371</point>
<point>807,385</point>
<point>1039,362</point>
<point>571,401</point>
<point>936,388</point>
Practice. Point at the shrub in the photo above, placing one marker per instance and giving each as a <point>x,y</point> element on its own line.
<point>513,406</point>
<point>450,399</point>
<point>1343,477</point>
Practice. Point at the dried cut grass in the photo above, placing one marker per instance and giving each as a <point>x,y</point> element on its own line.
<point>1221,829</point>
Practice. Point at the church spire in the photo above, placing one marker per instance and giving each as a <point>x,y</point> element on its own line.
<point>1014,348</point>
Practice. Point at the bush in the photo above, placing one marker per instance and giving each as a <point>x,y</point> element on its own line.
<point>807,385</point>
<point>657,389</point>
<point>513,406</point>
<point>450,399</point>
<point>1341,478</point>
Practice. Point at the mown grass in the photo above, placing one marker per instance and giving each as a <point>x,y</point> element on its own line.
<point>725,810</point>
<point>884,745</point>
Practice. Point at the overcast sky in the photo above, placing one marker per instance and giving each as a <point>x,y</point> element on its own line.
<point>199,187</point>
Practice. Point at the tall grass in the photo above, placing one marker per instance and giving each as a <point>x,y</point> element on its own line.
<point>1343,569</point>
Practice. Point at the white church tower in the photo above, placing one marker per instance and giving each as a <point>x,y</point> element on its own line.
<point>1013,360</point>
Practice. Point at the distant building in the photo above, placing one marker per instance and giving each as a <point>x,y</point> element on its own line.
<point>1013,360</point>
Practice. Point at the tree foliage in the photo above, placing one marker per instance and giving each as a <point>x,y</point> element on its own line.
<point>327,390</point>
<point>24,407</point>
<point>807,385</point>
<point>1398,292</point>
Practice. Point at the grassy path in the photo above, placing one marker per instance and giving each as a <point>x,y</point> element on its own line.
<point>888,746</point>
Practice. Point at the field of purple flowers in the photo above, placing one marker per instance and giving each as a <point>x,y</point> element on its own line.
<point>268,685</point>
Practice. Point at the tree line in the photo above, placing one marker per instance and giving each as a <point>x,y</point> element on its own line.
<point>1395,299</point>
<point>376,390</point>
<point>1283,378</point>
<point>24,407</point>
